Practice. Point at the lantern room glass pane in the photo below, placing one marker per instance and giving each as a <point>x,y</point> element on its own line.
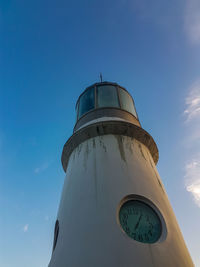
<point>127,102</point>
<point>86,102</point>
<point>107,96</point>
<point>76,108</point>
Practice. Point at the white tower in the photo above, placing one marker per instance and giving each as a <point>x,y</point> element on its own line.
<point>114,210</point>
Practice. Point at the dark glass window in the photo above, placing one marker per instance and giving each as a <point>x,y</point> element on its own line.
<point>86,102</point>
<point>56,232</point>
<point>107,96</point>
<point>127,102</point>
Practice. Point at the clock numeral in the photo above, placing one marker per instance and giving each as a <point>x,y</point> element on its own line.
<point>134,235</point>
<point>129,211</point>
<point>150,225</point>
<point>146,237</point>
<point>125,215</point>
<point>140,237</point>
<point>134,211</point>
<point>150,233</point>
<point>124,222</point>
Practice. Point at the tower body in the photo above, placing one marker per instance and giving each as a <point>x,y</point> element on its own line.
<point>114,210</point>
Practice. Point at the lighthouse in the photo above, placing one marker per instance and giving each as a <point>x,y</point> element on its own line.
<point>114,210</point>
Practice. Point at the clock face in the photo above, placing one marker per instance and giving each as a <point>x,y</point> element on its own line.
<point>140,221</point>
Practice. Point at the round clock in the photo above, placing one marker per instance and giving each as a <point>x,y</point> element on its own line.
<point>140,221</point>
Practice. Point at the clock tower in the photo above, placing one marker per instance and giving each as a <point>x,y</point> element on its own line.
<point>114,210</point>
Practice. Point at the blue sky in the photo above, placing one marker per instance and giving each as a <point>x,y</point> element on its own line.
<point>49,52</point>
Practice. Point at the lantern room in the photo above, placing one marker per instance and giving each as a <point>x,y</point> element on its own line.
<point>102,100</point>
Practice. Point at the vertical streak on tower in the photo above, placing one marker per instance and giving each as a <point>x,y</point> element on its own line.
<point>114,210</point>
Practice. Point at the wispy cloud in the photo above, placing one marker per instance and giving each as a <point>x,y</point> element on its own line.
<point>192,116</point>
<point>192,110</point>
<point>192,177</point>
<point>25,228</point>
<point>192,20</point>
<point>42,167</point>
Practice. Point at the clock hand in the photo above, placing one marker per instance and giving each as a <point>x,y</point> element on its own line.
<point>137,224</point>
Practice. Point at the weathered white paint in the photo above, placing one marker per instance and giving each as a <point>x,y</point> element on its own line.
<point>101,172</point>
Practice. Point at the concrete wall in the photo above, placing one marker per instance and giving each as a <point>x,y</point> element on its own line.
<point>101,172</point>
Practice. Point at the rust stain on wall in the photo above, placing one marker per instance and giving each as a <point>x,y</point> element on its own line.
<point>142,153</point>
<point>119,139</point>
<point>129,144</point>
<point>95,173</point>
<point>86,154</point>
<point>93,143</point>
<point>102,143</point>
<point>79,149</point>
<point>158,179</point>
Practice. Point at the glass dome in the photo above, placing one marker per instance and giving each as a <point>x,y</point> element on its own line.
<point>104,95</point>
